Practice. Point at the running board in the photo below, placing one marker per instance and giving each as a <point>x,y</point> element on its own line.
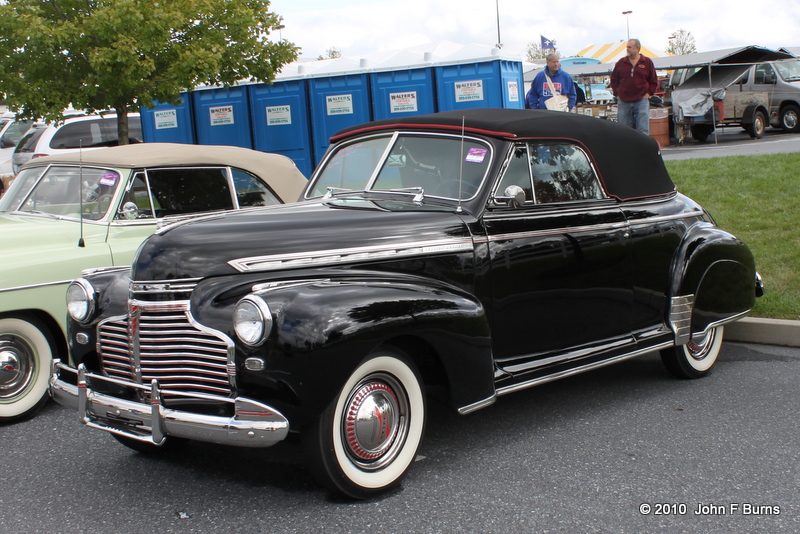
<point>581,369</point>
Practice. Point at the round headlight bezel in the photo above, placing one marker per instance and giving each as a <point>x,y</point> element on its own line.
<point>81,300</point>
<point>252,320</point>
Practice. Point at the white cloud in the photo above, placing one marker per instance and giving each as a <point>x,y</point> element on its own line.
<point>363,27</point>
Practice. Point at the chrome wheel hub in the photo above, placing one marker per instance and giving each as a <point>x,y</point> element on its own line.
<point>699,347</point>
<point>790,120</point>
<point>16,367</point>
<point>375,422</point>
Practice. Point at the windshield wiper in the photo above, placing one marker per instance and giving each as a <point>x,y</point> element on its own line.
<point>36,212</point>
<point>417,192</point>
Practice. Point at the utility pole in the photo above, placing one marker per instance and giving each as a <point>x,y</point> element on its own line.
<point>627,22</point>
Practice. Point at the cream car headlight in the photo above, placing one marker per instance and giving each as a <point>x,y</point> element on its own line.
<point>252,320</point>
<point>81,300</point>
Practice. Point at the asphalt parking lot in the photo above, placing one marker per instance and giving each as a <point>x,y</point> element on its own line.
<point>626,448</point>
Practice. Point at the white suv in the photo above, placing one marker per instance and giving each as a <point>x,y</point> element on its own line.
<point>11,131</point>
<point>84,132</point>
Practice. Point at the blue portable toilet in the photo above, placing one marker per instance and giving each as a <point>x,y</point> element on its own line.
<point>488,82</point>
<point>337,101</point>
<point>222,116</point>
<point>281,121</point>
<point>167,123</point>
<point>402,85</point>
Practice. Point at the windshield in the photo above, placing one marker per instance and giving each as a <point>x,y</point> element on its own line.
<point>64,191</point>
<point>440,165</point>
<point>789,69</point>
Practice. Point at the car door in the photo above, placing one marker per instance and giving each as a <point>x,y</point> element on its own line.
<point>765,80</point>
<point>560,267</point>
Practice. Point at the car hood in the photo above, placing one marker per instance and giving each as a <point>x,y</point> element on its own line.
<point>40,249</point>
<point>302,235</point>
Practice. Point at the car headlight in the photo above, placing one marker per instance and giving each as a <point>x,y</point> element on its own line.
<point>252,320</point>
<point>80,300</point>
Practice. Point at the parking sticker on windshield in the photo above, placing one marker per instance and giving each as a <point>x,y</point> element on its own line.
<point>108,178</point>
<point>476,155</point>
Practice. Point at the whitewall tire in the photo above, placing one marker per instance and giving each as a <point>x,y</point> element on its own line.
<point>26,351</point>
<point>695,358</point>
<point>366,440</point>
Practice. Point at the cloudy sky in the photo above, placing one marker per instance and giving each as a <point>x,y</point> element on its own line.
<point>359,28</point>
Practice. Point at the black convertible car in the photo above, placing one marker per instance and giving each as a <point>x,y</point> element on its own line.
<point>473,253</point>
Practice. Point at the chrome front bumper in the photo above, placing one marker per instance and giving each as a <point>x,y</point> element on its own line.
<point>253,424</point>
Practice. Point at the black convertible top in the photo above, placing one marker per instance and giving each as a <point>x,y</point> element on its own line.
<point>628,162</point>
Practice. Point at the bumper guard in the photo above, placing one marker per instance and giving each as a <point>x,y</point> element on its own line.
<point>254,424</point>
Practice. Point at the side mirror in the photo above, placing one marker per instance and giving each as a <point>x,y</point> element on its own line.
<point>517,195</point>
<point>130,211</point>
<point>514,195</point>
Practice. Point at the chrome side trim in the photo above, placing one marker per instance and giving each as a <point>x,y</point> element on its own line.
<point>665,218</point>
<point>721,322</point>
<point>680,318</point>
<point>572,355</point>
<point>253,424</point>
<point>35,286</point>
<point>340,256</point>
<point>475,406</point>
<point>581,369</point>
<point>560,230</point>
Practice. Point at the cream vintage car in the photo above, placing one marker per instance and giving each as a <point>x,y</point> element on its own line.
<point>71,212</point>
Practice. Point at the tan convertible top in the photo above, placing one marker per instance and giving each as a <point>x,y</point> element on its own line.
<point>276,170</point>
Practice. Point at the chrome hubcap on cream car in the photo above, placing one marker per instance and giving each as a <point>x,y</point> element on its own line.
<point>16,368</point>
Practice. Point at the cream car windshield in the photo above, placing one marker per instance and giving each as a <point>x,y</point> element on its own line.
<point>440,166</point>
<point>63,191</point>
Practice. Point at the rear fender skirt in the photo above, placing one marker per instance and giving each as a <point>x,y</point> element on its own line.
<point>718,270</point>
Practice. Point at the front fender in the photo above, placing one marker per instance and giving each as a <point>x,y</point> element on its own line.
<point>718,269</point>
<point>324,328</point>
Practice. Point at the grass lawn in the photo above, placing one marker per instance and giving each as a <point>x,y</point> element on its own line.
<point>756,198</point>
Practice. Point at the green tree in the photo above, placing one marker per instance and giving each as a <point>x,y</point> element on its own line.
<point>681,42</point>
<point>331,53</point>
<point>120,54</point>
<point>534,51</point>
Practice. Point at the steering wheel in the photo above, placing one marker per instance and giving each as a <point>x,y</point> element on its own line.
<point>103,203</point>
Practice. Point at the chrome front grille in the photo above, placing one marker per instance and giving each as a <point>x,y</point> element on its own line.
<point>159,339</point>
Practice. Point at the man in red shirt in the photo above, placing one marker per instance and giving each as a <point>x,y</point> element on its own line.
<point>633,82</point>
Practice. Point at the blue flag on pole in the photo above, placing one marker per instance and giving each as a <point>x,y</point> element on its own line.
<point>547,43</point>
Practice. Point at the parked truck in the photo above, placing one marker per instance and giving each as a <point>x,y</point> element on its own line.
<point>752,96</point>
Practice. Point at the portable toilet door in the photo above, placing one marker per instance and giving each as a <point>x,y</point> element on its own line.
<point>281,121</point>
<point>167,123</point>
<point>337,102</point>
<point>400,93</point>
<point>484,84</point>
<point>222,117</point>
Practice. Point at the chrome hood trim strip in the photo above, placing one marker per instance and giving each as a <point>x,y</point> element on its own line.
<point>319,258</point>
